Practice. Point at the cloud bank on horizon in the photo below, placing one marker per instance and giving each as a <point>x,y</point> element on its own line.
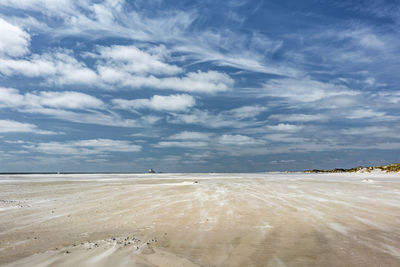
<point>236,85</point>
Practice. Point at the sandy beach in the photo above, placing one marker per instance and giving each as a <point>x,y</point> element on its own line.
<point>267,219</point>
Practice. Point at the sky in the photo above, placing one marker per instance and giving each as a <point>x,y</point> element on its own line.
<point>198,86</point>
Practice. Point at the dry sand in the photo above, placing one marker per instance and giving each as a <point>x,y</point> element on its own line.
<point>269,219</point>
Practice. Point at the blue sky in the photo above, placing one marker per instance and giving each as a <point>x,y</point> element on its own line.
<point>198,86</point>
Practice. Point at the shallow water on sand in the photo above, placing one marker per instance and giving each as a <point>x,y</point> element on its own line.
<point>263,219</point>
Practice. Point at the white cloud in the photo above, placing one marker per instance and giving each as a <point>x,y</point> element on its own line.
<point>282,161</point>
<point>14,142</point>
<point>66,99</point>
<point>13,40</point>
<point>364,113</point>
<point>57,68</point>
<point>34,67</point>
<point>299,117</point>
<point>116,19</point>
<point>388,97</point>
<point>239,140</point>
<point>284,127</point>
<point>110,18</point>
<point>124,66</point>
<point>286,138</point>
<point>363,36</point>
<point>247,111</point>
<point>281,128</point>
<point>130,59</point>
<point>371,41</point>
<point>179,102</point>
<point>244,52</point>
<point>341,102</point>
<point>10,126</point>
<point>84,147</point>
<point>236,118</point>
<point>373,131</point>
<point>108,145</point>
<point>184,144</point>
<point>148,65</point>
<point>49,7</point>
<point>106,118</point>
<point>11,98</point>
<point>304,90</point>
<point>207,119</point>
<point>62,68</point>
<point>149,120</point>
<point>56,104</point>
<point>96,160</point>
<point>209,82</point>
<point>202,82</point>
<point>113,75</point>
<point>187,135</point>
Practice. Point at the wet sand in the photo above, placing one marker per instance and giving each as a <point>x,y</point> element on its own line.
<point>272,219</point>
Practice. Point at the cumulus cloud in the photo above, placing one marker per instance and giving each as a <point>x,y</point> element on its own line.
<point>118,19</point>
<point>13,40</point>
<point>157,102</point>
<point>241,117</point>
<point>374,131</point>
<point>188,135</point>
<point>116,65</point>
<point>203,82</point>
<point>205,119</point>
<point>131,59</point>
<point>247,111</point>
<point>62,105</point>
<point>184,144</point>
<point>362,36</point>
<point>84,147</point>
<point>10,126</point>
<point>299,117</point>
<point>56,68</point>
<point>67,99</point>
<point>304,90</point>
<point>388,97</point>
<point>284,127</point>
<point>12,98</point>
<point>209,82</point>
<point>364,113</point>
<point>281,128</point>
<point>286,138</point>
<point>62,68</point>
<point>239,140</point>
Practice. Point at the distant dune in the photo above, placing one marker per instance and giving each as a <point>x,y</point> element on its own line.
<point>395,167</point>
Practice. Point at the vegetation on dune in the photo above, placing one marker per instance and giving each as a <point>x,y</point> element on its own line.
<point>386,168</point>
<point>390,168</point>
